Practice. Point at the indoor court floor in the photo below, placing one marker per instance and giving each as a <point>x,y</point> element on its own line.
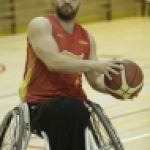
<point>127,38</point>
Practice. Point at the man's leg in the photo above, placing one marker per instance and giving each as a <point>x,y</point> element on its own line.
<point>77,119</point>
<point>64,120</point>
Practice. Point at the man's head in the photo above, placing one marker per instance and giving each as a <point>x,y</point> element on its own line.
<point>67,9</point>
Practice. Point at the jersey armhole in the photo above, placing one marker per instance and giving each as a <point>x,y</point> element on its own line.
<point>50,20</point>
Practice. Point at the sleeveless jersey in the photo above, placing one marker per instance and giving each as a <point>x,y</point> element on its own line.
<point>39,83</point>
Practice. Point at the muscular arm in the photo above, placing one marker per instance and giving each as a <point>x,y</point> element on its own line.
<point>95,80</point>
<point>46,48</point>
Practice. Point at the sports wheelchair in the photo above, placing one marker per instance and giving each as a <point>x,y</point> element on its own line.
<point>99,135</point>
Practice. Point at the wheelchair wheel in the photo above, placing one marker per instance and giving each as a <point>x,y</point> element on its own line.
<point>11,130</point>
<point>103,133</point>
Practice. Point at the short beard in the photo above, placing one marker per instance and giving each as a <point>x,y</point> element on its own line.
<point>66,17</point>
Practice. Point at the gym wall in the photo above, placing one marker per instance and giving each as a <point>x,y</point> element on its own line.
<point>16,14</point>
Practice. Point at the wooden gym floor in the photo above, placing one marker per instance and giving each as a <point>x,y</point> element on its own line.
<point>126,39</point>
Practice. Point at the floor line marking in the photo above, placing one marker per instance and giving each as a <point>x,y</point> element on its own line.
<point>101,98</point>
<point>132,122</point>
<point>131,139</point>
<point>108,97</point>
<point>130,113</point>
<point>136,137</point>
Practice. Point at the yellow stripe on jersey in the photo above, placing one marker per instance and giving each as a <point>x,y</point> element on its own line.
<point>23,87</point>
<point>69,54</point>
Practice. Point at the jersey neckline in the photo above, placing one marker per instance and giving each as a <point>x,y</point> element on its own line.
<point>74,31</point>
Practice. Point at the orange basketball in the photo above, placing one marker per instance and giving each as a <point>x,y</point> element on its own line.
<point>128,83</point>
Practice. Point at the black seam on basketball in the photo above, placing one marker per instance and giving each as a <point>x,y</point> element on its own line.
<point>135,74</point>
<point>116,84</point>
<point>120,86</point>
<point>126,92</point>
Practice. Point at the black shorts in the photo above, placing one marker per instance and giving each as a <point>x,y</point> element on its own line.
<point>63,119</point>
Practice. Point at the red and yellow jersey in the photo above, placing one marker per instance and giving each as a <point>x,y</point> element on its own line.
<point>39,83</point>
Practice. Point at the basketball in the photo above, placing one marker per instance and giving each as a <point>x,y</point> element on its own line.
<point>128,83</point>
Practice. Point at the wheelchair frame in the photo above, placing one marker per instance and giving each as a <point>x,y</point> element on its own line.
<point>93,136</point>
<point>15,117</point>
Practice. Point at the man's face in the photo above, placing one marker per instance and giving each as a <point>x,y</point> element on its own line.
<point>67,9</point>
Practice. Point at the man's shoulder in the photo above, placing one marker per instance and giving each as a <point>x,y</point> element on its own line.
<point>40,19</point>
<point>39,25</point>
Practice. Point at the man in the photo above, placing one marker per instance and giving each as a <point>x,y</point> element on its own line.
<point>58,52</point>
